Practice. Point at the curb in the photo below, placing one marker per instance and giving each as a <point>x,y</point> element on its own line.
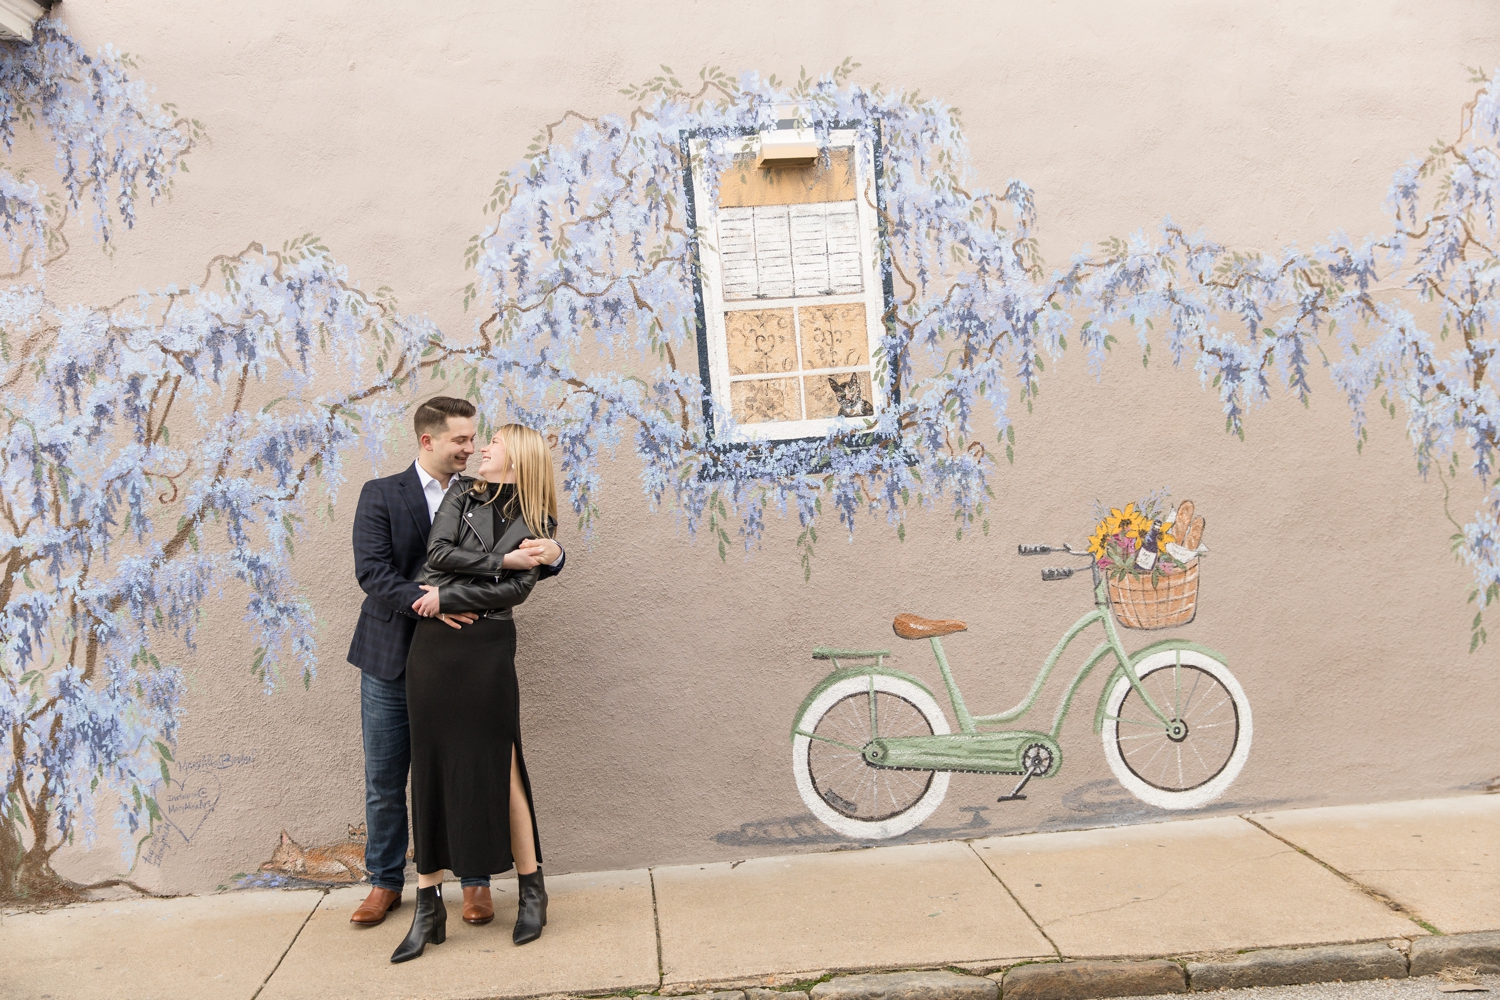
<point>1095,979</point>
<point>1456,951</point>
<point>1292,966</point>
<point>908,986</point>
<point>1086,980</point>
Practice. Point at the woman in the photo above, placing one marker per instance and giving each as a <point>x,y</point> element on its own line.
<point>470,796</point>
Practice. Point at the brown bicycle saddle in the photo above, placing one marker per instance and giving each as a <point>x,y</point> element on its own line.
<point>916,627</point>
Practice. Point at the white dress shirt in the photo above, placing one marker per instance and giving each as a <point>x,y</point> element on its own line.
<point>433,492</point>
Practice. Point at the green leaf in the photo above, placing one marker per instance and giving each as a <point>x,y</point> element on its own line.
<point>161,748</point>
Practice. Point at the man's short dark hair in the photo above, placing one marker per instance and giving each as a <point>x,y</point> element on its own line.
<point>432,416</point>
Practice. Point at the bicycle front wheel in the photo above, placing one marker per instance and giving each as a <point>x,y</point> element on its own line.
<point>844,791</point>
<point>1189,760</point>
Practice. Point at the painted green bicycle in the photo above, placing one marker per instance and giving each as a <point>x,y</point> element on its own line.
<point>872,749</point>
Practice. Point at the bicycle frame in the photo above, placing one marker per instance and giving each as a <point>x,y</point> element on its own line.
<point>969,723</point>
<point>980,745</point>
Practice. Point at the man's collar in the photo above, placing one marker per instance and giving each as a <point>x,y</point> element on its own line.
<point>424,477</point>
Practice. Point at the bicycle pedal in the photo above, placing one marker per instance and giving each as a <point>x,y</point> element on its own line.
<point>1011,798</point>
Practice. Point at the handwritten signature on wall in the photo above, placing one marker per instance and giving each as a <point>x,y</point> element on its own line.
<point>188,800</point>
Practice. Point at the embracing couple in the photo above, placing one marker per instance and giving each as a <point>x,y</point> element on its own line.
<point>442,559</point>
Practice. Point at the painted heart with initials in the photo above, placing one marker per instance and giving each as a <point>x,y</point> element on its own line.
<point>188,804</point>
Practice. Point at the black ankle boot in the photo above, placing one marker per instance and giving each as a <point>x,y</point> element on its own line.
<point>429,925</point>
<point>531,914</point>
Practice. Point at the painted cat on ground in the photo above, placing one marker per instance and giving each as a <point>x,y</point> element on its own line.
<point>340,862</point>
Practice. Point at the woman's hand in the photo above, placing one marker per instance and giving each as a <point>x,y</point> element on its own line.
<point>427,606</point>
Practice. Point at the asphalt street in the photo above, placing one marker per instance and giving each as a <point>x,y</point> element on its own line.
<point>1425,988</point>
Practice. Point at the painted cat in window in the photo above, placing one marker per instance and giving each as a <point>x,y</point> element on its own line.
<point>851,397</point>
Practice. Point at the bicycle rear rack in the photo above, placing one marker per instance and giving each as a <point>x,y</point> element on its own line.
<point>835,654</point>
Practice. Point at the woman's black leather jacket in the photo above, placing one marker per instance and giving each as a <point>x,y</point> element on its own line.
<point>464,557</point>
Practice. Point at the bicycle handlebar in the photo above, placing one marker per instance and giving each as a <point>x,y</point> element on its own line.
<point>1057,573</point>
<point>1042,550</point>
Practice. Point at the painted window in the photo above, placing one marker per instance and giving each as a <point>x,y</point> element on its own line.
<point>792,291</point>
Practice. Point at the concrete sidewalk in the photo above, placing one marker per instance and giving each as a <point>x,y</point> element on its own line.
<point>1190,888</point>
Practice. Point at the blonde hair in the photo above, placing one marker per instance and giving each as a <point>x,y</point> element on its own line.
<point>535,498</point>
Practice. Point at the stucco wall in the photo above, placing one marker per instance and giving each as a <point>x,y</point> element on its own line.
<point>658,683</point>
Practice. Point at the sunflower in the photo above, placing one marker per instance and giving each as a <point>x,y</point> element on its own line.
<point>1121,522</point>
<point>1096,541</point>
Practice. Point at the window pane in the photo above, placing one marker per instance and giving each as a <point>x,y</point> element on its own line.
<point>825,249</point>
<point>846,394</point>
<point>754,401</point>
<point>834,336</point>
<point>760,341</point>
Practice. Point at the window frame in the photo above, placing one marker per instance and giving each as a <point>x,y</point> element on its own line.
<point>710,306</point>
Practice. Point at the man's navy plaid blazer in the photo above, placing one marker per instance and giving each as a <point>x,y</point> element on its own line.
<point>391,525</point>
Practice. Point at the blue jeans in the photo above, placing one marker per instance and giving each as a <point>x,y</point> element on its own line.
<point>382,715</point>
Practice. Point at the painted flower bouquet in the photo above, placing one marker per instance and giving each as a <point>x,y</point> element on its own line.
<point>1149,552</point>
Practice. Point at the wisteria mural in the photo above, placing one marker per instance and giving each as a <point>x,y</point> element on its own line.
<point>158,450</point>
<point>590,242</point>
<point>167,449</point>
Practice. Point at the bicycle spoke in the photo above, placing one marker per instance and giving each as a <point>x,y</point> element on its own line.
<point>1177,688</point>
<point>1163,741</point>
<point>1217,705</point>
<point>1164,745</point>
<point>1194,747</point>
<point>1187,706</point>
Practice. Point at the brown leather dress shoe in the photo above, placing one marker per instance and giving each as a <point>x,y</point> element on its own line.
<point>376,905</point>
<point>477,906</point>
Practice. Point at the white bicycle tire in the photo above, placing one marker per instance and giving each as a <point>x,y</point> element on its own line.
<point>847,826</point>
<point>1200,795</point>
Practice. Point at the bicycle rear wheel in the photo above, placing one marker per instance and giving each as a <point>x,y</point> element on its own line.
<point>1192,758</point>
<point>838,786</point>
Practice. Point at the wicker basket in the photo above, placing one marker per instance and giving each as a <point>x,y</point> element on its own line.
<point>1172,601</point>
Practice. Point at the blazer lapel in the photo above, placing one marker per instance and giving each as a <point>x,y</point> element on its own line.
<point>416,500</point>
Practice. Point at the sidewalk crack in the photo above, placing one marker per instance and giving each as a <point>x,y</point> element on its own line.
<point>1034,922</point>
<point>321,896</point>
<point>661,973</point>
<point>1369,891</point>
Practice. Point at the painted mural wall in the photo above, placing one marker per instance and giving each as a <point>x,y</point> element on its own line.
<point>1093,427</point>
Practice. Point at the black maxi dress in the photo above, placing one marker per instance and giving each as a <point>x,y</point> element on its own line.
<point>463,703</point>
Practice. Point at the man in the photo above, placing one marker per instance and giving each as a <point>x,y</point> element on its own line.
<point>391,525</point>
